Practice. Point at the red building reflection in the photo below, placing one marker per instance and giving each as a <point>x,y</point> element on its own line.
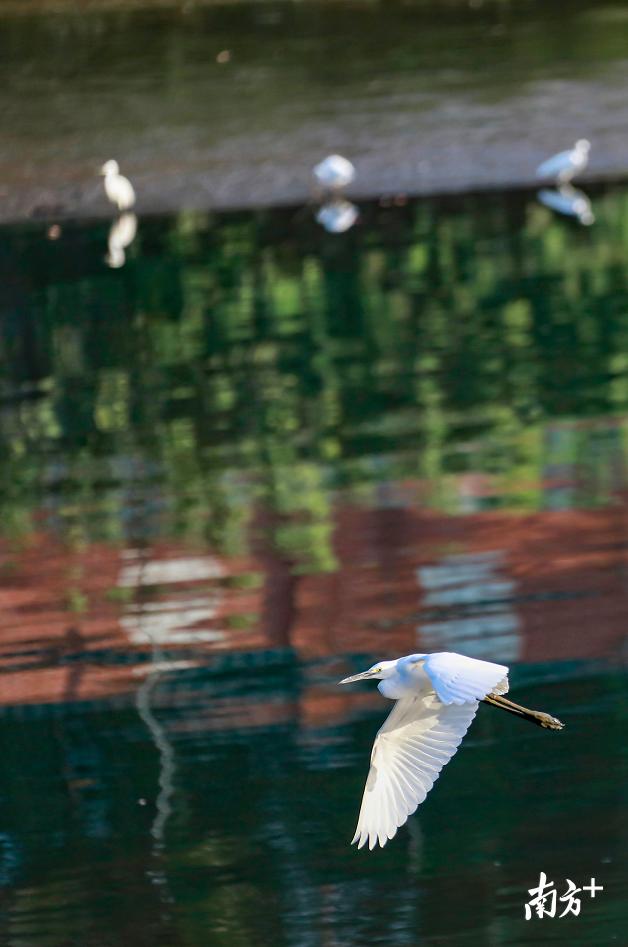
<point>79,624</point>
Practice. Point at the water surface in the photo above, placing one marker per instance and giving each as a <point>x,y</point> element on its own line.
<point>253,459</point>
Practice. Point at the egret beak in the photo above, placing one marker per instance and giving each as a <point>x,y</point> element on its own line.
<point>356,677</point>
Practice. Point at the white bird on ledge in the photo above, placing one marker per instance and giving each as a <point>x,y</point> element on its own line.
<point>118,189</point>
<point>437,698</point>
<point>334,172</point>
<point>566,164</point>
<point>337,216</point>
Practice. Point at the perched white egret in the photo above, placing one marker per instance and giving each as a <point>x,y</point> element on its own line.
<point>337,216</point>
<point>568,200</point>
<point>437,698</point>
<point>565,165</point>
<point>334,172</point>
<point>118,189</point>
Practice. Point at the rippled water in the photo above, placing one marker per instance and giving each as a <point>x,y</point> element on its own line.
<point>253,459</point>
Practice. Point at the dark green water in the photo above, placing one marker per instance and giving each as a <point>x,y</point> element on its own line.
<point>315,418</point>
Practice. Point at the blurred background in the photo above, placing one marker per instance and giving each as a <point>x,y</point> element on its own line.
<point>244,454</point>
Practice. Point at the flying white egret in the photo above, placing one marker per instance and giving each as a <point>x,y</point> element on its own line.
<point>568,200</point>
<point>118,189</point>
<point>337,216</point>
<point>565,165</point>
<point>437,698</point>
<point>334,172</point>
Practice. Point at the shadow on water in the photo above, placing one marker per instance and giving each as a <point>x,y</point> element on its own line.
<point>241,465</point>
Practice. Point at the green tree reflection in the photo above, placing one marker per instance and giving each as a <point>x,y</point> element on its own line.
<point>248,358</point>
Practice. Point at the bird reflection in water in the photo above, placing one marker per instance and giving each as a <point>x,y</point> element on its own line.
<point>157,668</point>
<point>570,201</point>
<point>143,702</point>
<point>144,698</point>
<point>121,235</point>
<point>337,216</point>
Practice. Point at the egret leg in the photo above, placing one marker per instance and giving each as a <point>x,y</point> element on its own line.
<point>534,716</point>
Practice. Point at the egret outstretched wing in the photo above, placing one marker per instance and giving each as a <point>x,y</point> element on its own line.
<point>419,736</point>
<point>457,678</point>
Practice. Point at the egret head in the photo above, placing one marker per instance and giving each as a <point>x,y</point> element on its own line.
<point>379,671</point>
<point>110,167</point>
<point>583,145</point>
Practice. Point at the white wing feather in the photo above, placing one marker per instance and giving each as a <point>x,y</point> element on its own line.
<point>120,191</point>
<point>126,194</point>
<point>419,736</point>
<point>457,678</point>
<point>555,164</point>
